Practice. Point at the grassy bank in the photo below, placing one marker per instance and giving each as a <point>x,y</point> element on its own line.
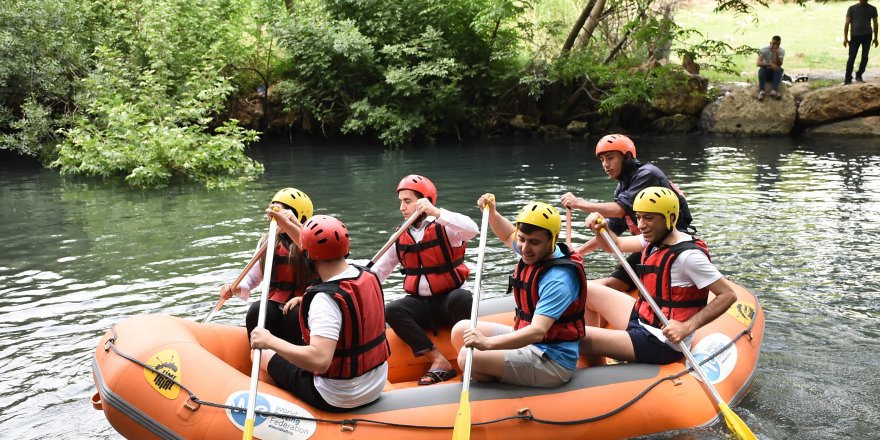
<point>812,36</point>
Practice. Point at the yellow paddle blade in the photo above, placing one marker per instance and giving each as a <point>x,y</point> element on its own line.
<point>736,425</point>
<point>462,430</point>
<point>248,429</point>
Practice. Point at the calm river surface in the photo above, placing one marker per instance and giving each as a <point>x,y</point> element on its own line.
<point>796,221</point>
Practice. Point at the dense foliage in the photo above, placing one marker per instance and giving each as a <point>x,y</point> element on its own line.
<point>141,89</point>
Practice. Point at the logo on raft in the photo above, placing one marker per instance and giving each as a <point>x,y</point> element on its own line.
<point>168,362</point>
<point>269,428</point>
<point>742,312</point>
<point>717,369</point>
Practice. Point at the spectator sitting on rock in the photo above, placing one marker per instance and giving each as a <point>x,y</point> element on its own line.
<point>770,67</point>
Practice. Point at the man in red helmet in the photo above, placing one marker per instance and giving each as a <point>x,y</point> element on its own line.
<point>618,156</point>
<point>344,364</point>
<point>431,253</point>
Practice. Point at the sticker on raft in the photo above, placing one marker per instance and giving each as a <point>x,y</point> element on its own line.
<point>717,369</point>
<point>268,428</point>
<point>742,312</point>
<point>168,362</point>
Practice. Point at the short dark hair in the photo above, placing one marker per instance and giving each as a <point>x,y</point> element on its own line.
<point>528,228</point>
<point>776,38</point>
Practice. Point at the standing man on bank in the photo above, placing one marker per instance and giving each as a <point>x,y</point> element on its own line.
<point>861,16</point>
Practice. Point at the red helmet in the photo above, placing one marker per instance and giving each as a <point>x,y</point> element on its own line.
<point>419,184</point>
<point>616,142</point>
<point>324,238</point>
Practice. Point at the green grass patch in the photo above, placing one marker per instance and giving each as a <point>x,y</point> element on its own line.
<point>812,35</point>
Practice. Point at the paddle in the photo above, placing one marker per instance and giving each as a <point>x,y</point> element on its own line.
<point>235,284</point>
<point>568,227</point>
<point>394,237</point>
<point>462,428</point>
<point>261,322</point>
<point>734,423</point>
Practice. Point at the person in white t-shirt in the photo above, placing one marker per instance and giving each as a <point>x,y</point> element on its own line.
<point>676,270</point>
<point>770,70</point>
<point>431,253</point>
<point>344,363</point>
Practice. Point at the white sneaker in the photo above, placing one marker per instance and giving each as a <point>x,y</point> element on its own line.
<point>761,95</point>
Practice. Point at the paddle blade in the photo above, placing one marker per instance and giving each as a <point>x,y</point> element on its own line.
<point>462,429</point>
<point>736,425</point>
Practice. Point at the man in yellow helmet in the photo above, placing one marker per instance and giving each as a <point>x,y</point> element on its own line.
<point>550,290</point>
<point>676,270</point>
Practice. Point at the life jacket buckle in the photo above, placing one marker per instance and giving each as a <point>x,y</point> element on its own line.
<point>525,413</point>
<point>348,425</point>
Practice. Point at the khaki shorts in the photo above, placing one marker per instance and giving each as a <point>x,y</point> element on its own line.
<point>529,366</point>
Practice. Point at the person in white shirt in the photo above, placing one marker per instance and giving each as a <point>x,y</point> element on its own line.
<point>431,253</point>
<point>344,363</point>
<point>676,270</point>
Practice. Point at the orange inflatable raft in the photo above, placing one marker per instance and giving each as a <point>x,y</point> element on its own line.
<point>203,376</point>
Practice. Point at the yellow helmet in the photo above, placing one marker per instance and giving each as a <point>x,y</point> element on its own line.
<point>542,215</point>
<point>660,200</point>
<point>298,201</point>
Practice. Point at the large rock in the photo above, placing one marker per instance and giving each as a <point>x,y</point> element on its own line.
<point>838,102</point>
<point>740,112</point>
<point>688,97</point>
<point>867,126</point>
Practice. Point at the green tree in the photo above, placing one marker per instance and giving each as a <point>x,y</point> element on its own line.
<point>147,110</point>
<point>44,46</point>
<point>400,69</point>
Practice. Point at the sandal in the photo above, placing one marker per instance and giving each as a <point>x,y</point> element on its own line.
<point>437,375</point>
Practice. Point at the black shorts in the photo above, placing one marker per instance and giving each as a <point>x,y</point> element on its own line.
<point>300,382</point>
<point>647,348</point>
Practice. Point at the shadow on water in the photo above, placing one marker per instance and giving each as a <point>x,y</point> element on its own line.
<point>792,219</point>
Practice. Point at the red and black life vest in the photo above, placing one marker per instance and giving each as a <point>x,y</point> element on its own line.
<point>361,346</point>
<point>283,283</point>
<point>524,285</point>
<point>435,258</point>
<point>676,302</point>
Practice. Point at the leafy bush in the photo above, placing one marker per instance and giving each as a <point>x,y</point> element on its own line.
<point>399,69</point>
<point>130,126</point>
<point>146,110</point>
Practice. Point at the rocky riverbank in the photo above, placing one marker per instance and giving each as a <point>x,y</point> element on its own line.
<point>804,108</point>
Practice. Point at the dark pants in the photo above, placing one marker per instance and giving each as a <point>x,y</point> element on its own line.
<point>856,41</point>
<point>410,316</point>
<point>299,382</point>
<point>283,326</point>
<point>767,74</point>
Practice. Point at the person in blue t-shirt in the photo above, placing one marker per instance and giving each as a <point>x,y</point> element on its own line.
<point>550,290</point>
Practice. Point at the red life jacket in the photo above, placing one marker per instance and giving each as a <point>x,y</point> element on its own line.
<point>524,284</point>
<point>676,302</point>
<point>361,346</point>
<point>435,258</point>
<point>282,286</point>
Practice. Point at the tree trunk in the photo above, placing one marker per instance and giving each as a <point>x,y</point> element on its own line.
<point>578,25</point>
<point>584,39</point>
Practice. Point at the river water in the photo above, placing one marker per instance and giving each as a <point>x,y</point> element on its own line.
<point>794,220</point>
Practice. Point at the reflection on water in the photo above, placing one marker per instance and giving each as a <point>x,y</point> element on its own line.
<point>793,220</point>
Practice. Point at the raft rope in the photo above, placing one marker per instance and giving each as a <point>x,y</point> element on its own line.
<point>349,424</point>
